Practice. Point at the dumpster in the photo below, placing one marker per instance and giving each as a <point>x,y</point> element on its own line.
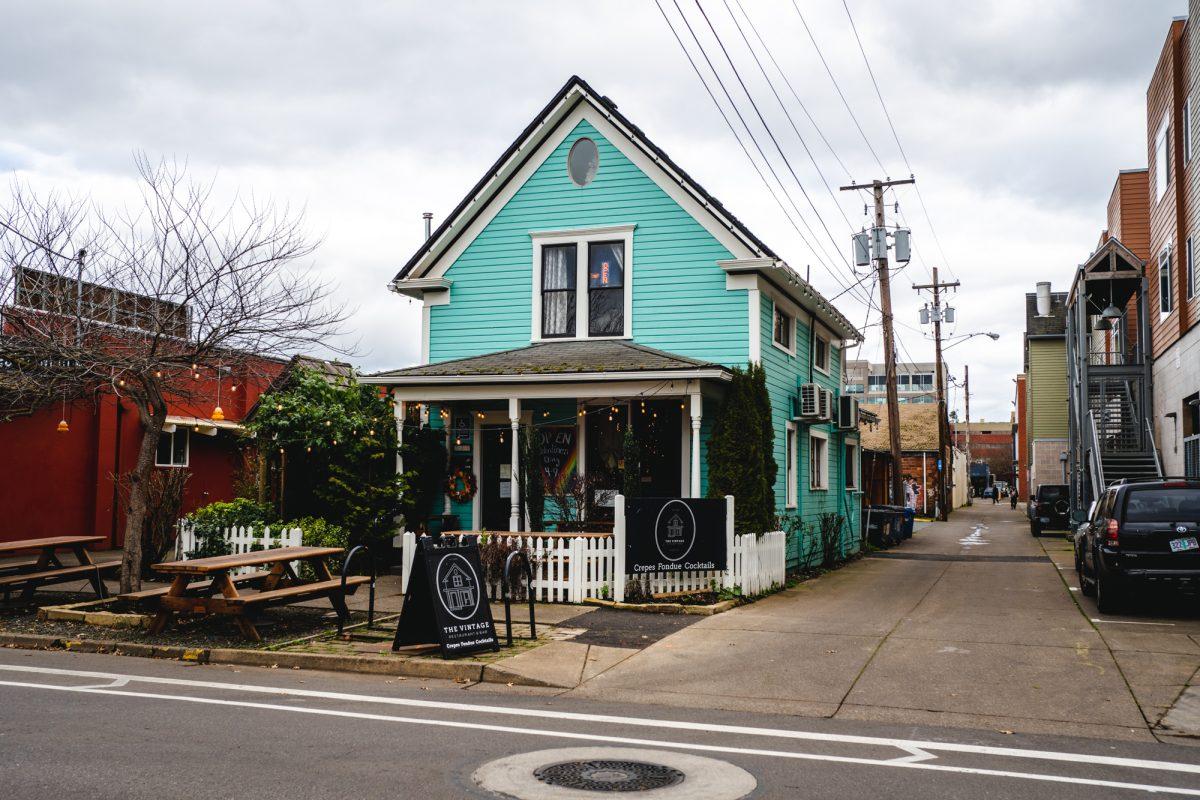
<point>909,514</point>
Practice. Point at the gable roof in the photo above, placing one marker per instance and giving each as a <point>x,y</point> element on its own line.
<point>575,91</point>
<point>565,360</point>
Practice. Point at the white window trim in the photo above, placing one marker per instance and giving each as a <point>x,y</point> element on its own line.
<point>1186,119</point>
<point>823,467</point>
<point>187,448</point>
<point>827,369</point>
<point>856,472</point>
<point>1162,158</point>
<point>791,490</point>
<point>581,238</point>
<point>778,309</point>
<point>1165,257</point>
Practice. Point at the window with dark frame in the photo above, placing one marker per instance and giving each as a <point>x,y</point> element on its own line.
<point>820,353</point>
<point>1191,270</point>
<point>172,449</point>
<point>606,288</point>
<point>1165,298</point>
<point>558,290</point>
<point>817,465</point>
<point>851,466</point>
<point>783,329</point>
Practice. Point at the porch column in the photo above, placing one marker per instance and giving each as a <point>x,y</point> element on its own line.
<point>400,407</point>
<point>514,419</point>
<point>697,415</point>
<point>448,426</point>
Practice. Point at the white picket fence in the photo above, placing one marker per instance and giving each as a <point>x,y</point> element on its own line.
<point>571,568</point>
<point>241,540</point>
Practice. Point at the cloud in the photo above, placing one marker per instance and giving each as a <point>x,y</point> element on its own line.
<point>1015,117</point>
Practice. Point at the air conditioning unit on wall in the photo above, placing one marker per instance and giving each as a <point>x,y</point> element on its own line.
<point>847,418</point>
<point>825,405</point>
<point>808,403</point>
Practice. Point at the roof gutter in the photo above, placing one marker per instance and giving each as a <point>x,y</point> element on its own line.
<point>715,373</point>
<point>798,290</point>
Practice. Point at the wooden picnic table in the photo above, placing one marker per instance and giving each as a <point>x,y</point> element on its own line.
<point>204,585</point>
<point>47,568</point>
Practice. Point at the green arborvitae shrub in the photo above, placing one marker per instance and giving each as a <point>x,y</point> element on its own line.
<point>741,451</point>
<point>631,475</point>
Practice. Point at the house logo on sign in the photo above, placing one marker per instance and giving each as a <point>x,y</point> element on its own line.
<point>674,531</point>
<point>458,587</point>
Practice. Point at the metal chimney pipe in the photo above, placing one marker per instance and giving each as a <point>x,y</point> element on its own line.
<point>428,217</point>
<point>1043,298</point>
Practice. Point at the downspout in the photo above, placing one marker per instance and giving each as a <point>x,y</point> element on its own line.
<point>116,497</point>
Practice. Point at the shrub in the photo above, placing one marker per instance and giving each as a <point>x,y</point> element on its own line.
<point>741,451</point>
<point>210,522</point>
<point>317,532</point>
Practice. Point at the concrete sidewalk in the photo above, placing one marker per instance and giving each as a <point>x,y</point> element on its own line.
<point>968,624</point>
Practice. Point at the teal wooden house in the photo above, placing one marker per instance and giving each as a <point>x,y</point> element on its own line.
<point>587,283</point>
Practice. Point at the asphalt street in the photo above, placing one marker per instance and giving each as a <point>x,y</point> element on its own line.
<point>74,725</point>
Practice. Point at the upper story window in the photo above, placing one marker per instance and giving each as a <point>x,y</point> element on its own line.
<point>1162,158</point>
<point>582,283</point>
<point>1187,130</point>
<point>1165,299</point>
<point>172,449</point>
<point>820,353</point>
<point>558,290</point>
<point>877,382</point>
<point>606,288</point>
<point>782,334</point>
<point>583,161</point>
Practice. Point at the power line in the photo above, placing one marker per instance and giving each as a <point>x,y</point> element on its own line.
<point>783,107</point>
<point>838,87</point>
<point>895,135</point>
<point>749,132</point>
<point>770,133</point>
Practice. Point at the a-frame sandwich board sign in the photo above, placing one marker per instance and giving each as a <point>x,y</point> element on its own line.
<point>446,601</point>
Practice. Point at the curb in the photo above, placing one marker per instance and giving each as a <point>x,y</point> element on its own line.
<point>458,671</point>
<point>665,608</point>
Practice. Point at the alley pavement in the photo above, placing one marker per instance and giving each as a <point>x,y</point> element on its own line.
<point>972,623</point>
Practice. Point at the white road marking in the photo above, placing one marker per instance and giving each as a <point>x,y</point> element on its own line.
<point>906,745</point>
<point>897,763</point>
<point>1132,622</point>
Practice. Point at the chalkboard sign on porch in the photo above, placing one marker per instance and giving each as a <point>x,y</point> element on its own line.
<point>446,600</point>
<point>675,535</point>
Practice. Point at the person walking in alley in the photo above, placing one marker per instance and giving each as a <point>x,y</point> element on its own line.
<point>1012,499</point>
<point>910,492</point>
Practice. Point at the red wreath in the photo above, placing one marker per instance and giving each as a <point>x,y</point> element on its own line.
<point>460,485</point>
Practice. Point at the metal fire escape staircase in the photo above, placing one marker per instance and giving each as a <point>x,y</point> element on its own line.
<point>1111,437</point>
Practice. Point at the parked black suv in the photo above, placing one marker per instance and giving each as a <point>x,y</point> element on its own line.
<point>1050,507</point>
<point>1139,531</point>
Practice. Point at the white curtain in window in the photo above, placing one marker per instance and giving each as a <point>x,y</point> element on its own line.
<point>558,301</point>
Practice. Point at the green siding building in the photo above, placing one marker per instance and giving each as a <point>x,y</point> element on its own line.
<point>587,285</point>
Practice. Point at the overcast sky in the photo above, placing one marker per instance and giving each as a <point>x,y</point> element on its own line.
<point>1015,117</point>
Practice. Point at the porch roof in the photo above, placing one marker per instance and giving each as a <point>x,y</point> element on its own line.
<point>575,360</point>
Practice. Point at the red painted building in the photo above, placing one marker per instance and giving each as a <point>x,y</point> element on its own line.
<point>56,483</point>
<point>990,443</point>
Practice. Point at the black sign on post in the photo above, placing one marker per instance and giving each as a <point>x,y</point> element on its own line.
<point>446,600</point>
<point>675,535</point>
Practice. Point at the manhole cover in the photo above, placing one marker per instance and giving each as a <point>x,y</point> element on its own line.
<point>586,773</point>
<point>609,775</point>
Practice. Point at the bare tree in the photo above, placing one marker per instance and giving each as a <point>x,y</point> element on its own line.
<point>140,301</point>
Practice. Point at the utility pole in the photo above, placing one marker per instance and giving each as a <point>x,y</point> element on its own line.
<point>943,511</point>
<point>879,238</point>
<point>967,400</point>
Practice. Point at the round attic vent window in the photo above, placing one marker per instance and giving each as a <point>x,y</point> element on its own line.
<point>583,161</point>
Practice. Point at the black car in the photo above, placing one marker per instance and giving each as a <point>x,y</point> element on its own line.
<point>1139,532</point>
<point>1050,507</point>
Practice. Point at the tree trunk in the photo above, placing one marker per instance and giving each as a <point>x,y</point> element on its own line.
<point>139,485</point>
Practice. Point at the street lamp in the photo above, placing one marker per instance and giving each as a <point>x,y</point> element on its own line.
<point>989,334</point>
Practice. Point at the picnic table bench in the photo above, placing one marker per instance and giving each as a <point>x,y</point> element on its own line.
<point>204,586</point>
<point>28,575</point>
